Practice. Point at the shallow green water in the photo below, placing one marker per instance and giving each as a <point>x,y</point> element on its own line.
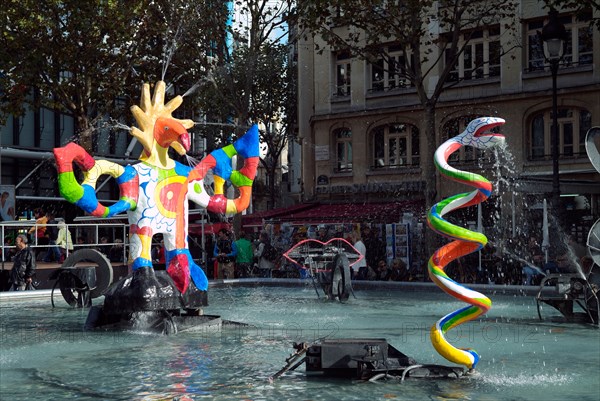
<point>44,354</point>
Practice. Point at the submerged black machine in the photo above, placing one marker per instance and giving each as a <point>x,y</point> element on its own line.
<point>368,359</point>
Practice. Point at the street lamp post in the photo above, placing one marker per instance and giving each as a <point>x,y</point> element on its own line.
<point>554,35</point>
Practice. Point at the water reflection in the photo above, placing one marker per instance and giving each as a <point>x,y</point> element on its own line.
<point>44,354</point>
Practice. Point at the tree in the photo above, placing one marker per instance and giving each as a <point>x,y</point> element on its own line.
<point>582,7</point>
<point>253,81</point>
<point>427,32</point>
<point>81,57</point>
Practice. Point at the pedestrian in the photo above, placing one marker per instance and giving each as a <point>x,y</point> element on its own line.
<point>578,250</point>
<point>265,266</point>
<point>383,272</point>
<point>323,234</point>
<point>21,275</point>
<point>38,231</point>
<point>245,256</point>
<point>63,240</point>
<point>103,247</point>
<point>359,245</point>
<point>225,251</point>
<point>365,273</point>
<point>53,253</point>
<point>116,253</point>
<point>399,272</point>
<point>375,247</point>
<point>7,250</point>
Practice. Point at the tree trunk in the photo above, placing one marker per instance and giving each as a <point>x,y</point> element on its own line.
<point>85,131</point>
<point>430,176</point>
<point>272,188</point>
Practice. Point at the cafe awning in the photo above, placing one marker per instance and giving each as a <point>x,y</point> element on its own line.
<point>331,213</point>
<point>257,219</point>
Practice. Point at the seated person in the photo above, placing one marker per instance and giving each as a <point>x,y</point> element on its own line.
<point>383,272</point>
<point>365,273</point>
<point>399,271</point>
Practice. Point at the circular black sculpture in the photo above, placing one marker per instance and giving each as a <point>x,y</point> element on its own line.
<point>327,264</point>
<point>83,276</point>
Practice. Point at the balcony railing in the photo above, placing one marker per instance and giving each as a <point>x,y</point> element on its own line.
<point>92,232</point>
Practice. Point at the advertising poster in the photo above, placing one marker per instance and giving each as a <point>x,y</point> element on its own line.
<point>7,203</point>
<point>398,242</point>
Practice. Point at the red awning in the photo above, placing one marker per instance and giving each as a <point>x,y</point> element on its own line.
<point>256,219</point>
<point>196,228</point>
<point>315,213</point>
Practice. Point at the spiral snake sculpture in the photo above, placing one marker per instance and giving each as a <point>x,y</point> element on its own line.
<point>478,135</point>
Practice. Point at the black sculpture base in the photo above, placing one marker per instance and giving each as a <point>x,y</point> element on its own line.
<point>149,300</point>
<point>369,359</point>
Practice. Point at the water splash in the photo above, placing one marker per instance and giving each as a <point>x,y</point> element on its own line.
<point>195,87</point>
<point>191,161</point>
<point>118,125</point>
<point>513,226</point>
<point>222,124</point>
<point>525,380</point>
<point>171,50</point>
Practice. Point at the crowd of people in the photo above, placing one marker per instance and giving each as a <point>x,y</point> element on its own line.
<point>260,255</point>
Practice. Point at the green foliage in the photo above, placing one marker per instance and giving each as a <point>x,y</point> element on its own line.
<point>582,7</point>
<point>255,82</point>
<point>81,56</point>
<point>414,26</point>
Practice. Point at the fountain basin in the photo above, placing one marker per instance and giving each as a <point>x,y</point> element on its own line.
<point>46,354</point>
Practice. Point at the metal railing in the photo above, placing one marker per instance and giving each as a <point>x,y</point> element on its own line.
<point>83,235</point>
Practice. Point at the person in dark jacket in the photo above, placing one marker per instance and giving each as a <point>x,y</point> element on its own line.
<point>225,251</point>
<point>23,266</point>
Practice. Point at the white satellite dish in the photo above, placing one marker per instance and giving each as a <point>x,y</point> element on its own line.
<point>593,242</point>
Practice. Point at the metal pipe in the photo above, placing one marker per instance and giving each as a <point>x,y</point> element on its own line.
<point>29,154</point>
<point>555,142</point>
<point>29,175</point>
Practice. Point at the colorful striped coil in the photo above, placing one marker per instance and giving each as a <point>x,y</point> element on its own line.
<point>219,161</point>
<point>83,195</point>
<point>478,135</point>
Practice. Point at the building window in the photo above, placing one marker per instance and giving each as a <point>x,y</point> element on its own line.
<point>466,154</point>
<point>387,72</point>
<point>537,137</point>
<point>573,125</point>
<point>343,146</point>
<point>480,57</point>
<point>578,46</point>
<point>395,145</point>
<point>342,74</point>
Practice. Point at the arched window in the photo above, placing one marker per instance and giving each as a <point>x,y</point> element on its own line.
<point>343,149</point>
<point>395,145</point>
<point>537,137</point>
<point>573,125</point>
